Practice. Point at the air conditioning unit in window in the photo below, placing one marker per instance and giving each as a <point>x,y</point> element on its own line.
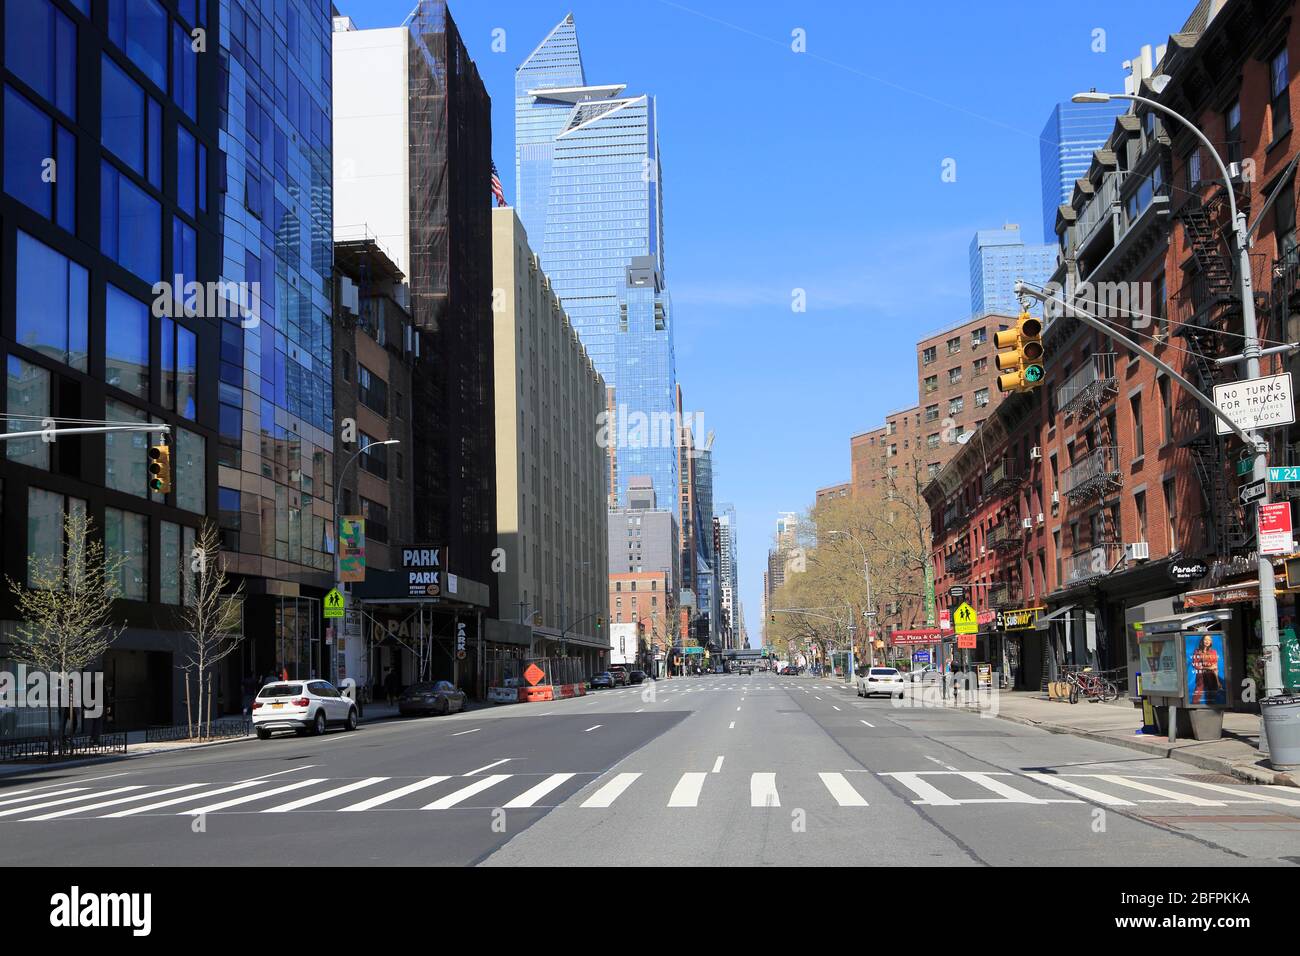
<point>1056,497</point>
<point>1026,523</point>
<point>1137,551</point>
<point>1035,453</point>
<point>1041,519</point>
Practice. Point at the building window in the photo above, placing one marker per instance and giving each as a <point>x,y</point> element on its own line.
<point>131,224</point>
<point>139,28</point>
<point>1166,411</point>
<point>954,345</point>
<point>1194,169</point>
<point>1232,131</point>
<point>185,250</point>
<point>957,405</point>
<point>1140,507</point>
<point>981,397</point>
<point>179,368</point>
<point>1279,79</point>
<point>27,394</point>
<point>932,413</point>
<point>132,123</point>
<point>190,462</point>
<point>372,391</point>
<point>1284,222</point>
<point>126,534</point>
<point>1135,408</point>
<point>954,375</point>
<point>185,72</point>
<point>932,441</point>
<point>52,303</point>
<point>31,139</point>
<point>126,453</point>
<point>126,342</point>
<point>931,383</point>
<point>45,511</point>
<point>374,457</point>
<point>376,516</point>
<point>929,355</point>
<point>979,367</point>
<point>41,50</point>
<point>978,337</point>
<point>1170,501</point>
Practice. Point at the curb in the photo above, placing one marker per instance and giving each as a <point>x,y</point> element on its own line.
<point>1248,773</point>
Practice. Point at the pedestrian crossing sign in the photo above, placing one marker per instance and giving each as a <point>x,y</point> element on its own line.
<point>964,620</point>
<point>334,603</point>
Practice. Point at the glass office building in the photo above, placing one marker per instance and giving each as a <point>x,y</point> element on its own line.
<point>1073,132</point>
<point>587,176</point>
<point>110,133</point>
<point>275,452</point>
<point>998,257</point>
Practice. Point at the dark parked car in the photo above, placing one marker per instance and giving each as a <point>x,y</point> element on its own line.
<point>636,677</point>
<point>603,679</point>
<point>435,697</point>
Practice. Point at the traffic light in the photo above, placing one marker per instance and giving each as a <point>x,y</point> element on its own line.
<point>1020,355</point>
<point>160,468</point>
<point>599,621</point>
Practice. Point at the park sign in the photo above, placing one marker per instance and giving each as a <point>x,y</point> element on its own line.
<point>423,567</point>
<point>1255,403</point>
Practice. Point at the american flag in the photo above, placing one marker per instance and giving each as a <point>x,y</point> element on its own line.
<point>496,186</point>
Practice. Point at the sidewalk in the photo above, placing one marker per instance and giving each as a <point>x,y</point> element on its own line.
<point>1235,754</point>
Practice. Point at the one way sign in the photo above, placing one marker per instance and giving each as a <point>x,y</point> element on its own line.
<point>334,603</point>
<point>1253,491</point>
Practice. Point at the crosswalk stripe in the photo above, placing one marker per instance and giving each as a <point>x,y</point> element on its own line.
<point>392,795</point>
<point>1078,790</point>
<point>533,794</point>
<point>1171,796</point>
<point>39,795</point>
<point>54,803</point>
<point>842,790</point>
<point>1248,792</point>
<point>687,791</point>
<point>250,797</point>
<point>112,803</point>
<point>1008,793</point>
<point>320,797</point>
<point>243,785</point>
<point>762,790</point>
<point>929,794</point>
<point>464,793</point>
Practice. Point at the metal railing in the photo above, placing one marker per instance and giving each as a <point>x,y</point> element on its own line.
<point>1003,476</point>
<point>1092,473</point>
<point>1093,380</point>
<point>1091,563</point>
<point>956,563</point>
<point>1100,209</point>
<point>1006,536</point>
<point>222,727</point>
<point>48,748</point>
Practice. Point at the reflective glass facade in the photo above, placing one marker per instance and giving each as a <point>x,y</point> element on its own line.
<point>998,257</point>
<point>276,444</point>
<point>587,181</point>
<point>1073,132</point>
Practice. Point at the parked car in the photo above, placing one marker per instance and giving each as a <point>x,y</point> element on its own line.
<point>433,697</point>
<point>620,674</point>
<point>301,706</point>
<point>603,679</point>
<point>924,675</point>
<point>636,677</point>
<point>880,680</point>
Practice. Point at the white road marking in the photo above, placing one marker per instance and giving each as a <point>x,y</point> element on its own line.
<point>872,726</point>
<point>395,794</point>
<point>533,794</point>
<point>54,803</point>
<point>264,776</point>
<point>717,765</point>
<point>842,790</point>
<point>1052,780</point>
<point>462,733</point>
<point>464,793</point>
<point>762,790</point>
<point>1008,792</point>
<point>1171,796</point>
<point>929,794</point>
<point>1245,791</point>
<point>319,797</point>
<point>495,763</point>
<point>111,803</point>
<point>732,726</point>
<point>941,763</point>
<point>37,796</point>
<point>737,708</point>
<point>243,785</point>
<point>611,791</point>
<point>638,710</point>
<point>687,791</point>
<point>833,707</point>
<point>250,797</point>
<point>590,729</point>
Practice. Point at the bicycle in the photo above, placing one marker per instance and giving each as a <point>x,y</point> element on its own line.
<point>1091,686</point>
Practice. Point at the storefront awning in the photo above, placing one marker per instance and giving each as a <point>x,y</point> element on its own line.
<point>1047,619</point>
<point>1243,592</point>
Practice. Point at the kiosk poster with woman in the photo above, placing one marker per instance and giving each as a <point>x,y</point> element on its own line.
<point>1207,680</point>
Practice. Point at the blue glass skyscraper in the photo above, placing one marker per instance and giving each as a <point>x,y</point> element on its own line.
<point>998,257</point>
<point>1073,132</point>
<point>587,179</point>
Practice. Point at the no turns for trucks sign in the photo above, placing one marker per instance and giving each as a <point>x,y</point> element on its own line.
<point>1255,403</point>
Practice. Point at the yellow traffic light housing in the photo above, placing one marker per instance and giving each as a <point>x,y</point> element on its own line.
<point>160,468</point>
<point>1020,355</point>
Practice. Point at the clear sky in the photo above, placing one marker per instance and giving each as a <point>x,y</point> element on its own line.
<point>818,171</point>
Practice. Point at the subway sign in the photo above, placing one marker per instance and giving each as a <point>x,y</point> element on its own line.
<point>1022,619</point>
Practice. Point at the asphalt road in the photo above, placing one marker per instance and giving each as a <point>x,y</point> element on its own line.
<point>715,770</point>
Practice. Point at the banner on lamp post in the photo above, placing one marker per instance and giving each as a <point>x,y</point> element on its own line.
<point>352,548</point>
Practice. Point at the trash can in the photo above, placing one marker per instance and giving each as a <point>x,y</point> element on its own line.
<point>1282,728</point>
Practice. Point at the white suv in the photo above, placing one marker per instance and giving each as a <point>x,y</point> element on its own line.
<point>301,705</point>
<point>880,680</point>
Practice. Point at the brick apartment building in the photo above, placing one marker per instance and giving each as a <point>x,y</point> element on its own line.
<point>1072,504</point>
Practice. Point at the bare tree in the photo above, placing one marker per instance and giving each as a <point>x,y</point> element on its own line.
<point>65,609</point>
<point>213,621</point>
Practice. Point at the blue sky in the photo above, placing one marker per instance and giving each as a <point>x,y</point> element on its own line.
<point>818,171</point>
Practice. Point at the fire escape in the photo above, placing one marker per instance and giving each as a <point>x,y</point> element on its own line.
<point>1208,306</point>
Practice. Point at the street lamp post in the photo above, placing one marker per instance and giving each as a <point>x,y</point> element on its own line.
<point>1251,354</point>
<point>338,569</point>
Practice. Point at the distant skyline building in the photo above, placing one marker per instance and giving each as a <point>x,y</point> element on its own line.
<point>998,257</point>
<point>1072,133</point>
<point>587,175</point>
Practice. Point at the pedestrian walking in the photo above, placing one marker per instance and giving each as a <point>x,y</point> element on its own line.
<point>392,685</point>
<point>954,669</point>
